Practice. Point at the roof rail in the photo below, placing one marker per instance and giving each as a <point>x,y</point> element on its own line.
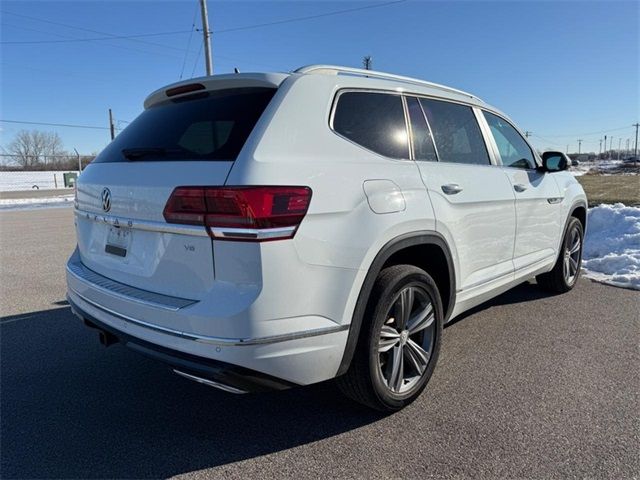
<point>336,70</point>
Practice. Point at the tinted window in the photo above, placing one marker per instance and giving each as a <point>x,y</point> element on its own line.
<point>422,142</point>
<point>456,132</point>
<point>513,149</point>
<point>374,121</point>
<point>204,126</point>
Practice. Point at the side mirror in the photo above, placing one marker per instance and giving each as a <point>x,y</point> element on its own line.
<point>554,161</point>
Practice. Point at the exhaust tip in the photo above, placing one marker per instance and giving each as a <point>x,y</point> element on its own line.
<point>210,383</point>
<point>107,339</point>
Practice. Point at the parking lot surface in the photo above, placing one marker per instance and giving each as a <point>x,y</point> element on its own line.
<point>527,386</point>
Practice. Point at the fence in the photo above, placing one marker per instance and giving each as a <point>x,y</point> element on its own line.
<point>40,172</point>
<point>11,181</point>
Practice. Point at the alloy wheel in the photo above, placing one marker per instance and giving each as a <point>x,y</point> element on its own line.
<point>572,253</point>
<point>406,339</point>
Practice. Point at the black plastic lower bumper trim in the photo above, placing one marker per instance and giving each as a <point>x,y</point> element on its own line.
<point>232,375</point>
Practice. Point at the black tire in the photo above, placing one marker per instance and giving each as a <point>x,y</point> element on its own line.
<point>366,379</point>
<point>557,280</point>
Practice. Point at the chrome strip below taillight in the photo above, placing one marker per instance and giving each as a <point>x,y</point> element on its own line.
<point>252,233</point>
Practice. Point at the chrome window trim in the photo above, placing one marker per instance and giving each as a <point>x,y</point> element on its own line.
<point>146,225</point>
<point>236,342</point>
<point>137,295</point>
<point>490,142</point>
<point>424,115</point>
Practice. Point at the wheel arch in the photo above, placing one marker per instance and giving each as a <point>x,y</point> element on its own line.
<point>399,250</point>
<point>579,210</point>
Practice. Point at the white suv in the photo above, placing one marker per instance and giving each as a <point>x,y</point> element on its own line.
<point>260,231</point>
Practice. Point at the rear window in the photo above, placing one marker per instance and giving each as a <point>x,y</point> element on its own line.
<point>204,126</point>
<point>374,121</point>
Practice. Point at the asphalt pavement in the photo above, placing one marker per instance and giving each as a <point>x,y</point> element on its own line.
<point>528,386</point>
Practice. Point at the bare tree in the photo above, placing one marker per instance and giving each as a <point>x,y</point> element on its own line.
<point>34,147</point>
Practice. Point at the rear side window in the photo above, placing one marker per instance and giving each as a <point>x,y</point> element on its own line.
<point>456,132</point>
<point>514,151</point>
<point>420,134</point>
<point>203,126</point>
<point>374,121</point>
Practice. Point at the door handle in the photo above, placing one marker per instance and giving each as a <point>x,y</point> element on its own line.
<point>518,187</point>
<point>451,188</point>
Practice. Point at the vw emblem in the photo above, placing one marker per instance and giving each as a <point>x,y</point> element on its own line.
<point>106,199</point>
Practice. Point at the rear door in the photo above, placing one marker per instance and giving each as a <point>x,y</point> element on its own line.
<point>538,203</point>
<point>473,201</point>
<point>121,195</point>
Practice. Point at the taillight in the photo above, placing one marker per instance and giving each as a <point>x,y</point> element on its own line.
<point>240,213</point>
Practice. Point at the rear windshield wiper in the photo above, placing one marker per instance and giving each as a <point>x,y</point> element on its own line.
<point>141,152</point>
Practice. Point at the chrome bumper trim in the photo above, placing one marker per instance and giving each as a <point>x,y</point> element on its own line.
<point>210,383</point>
<point>147,225</point>
<point>126,292</point>
<point>216,340</point>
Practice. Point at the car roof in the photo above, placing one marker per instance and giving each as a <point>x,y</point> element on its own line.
<point>339,76</point>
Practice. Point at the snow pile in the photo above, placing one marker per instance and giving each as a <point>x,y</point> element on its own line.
<point>31,203</point>
<point>612,246</point>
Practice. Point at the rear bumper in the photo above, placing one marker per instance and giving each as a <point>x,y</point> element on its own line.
<point>239,378</point>
<point>308,354</point>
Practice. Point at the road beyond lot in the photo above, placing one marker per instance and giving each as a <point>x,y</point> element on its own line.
<point>528,386</point>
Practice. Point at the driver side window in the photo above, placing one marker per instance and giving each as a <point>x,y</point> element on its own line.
<point>514,151</point>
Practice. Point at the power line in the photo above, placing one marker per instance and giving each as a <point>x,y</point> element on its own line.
<point>186,52</point>
<point>225,30</point>
<point>195,64</point>
<point>122,47</point>
<point>589,133</point>
<point>307,17</point>
<point>137,40</point>
<point>66,25</point>
<point>95,39</point>
<point>56,124</point>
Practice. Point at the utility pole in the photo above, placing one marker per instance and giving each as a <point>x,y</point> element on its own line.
<point>579,146</point>
<point>112,127</point>
<point>619,145</point>
<point>635,150</point>
<point>206,37</point>
<point>611,147</point>
<point>600,151</point>
<point>367,62</point>
<point>527,133</point>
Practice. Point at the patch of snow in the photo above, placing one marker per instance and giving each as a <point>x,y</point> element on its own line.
<point>612,245</point>
<point>32,203</point>
<point>602,167</point>
<point>17,181</point>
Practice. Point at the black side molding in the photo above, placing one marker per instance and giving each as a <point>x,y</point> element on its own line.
<point>393,246</point>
